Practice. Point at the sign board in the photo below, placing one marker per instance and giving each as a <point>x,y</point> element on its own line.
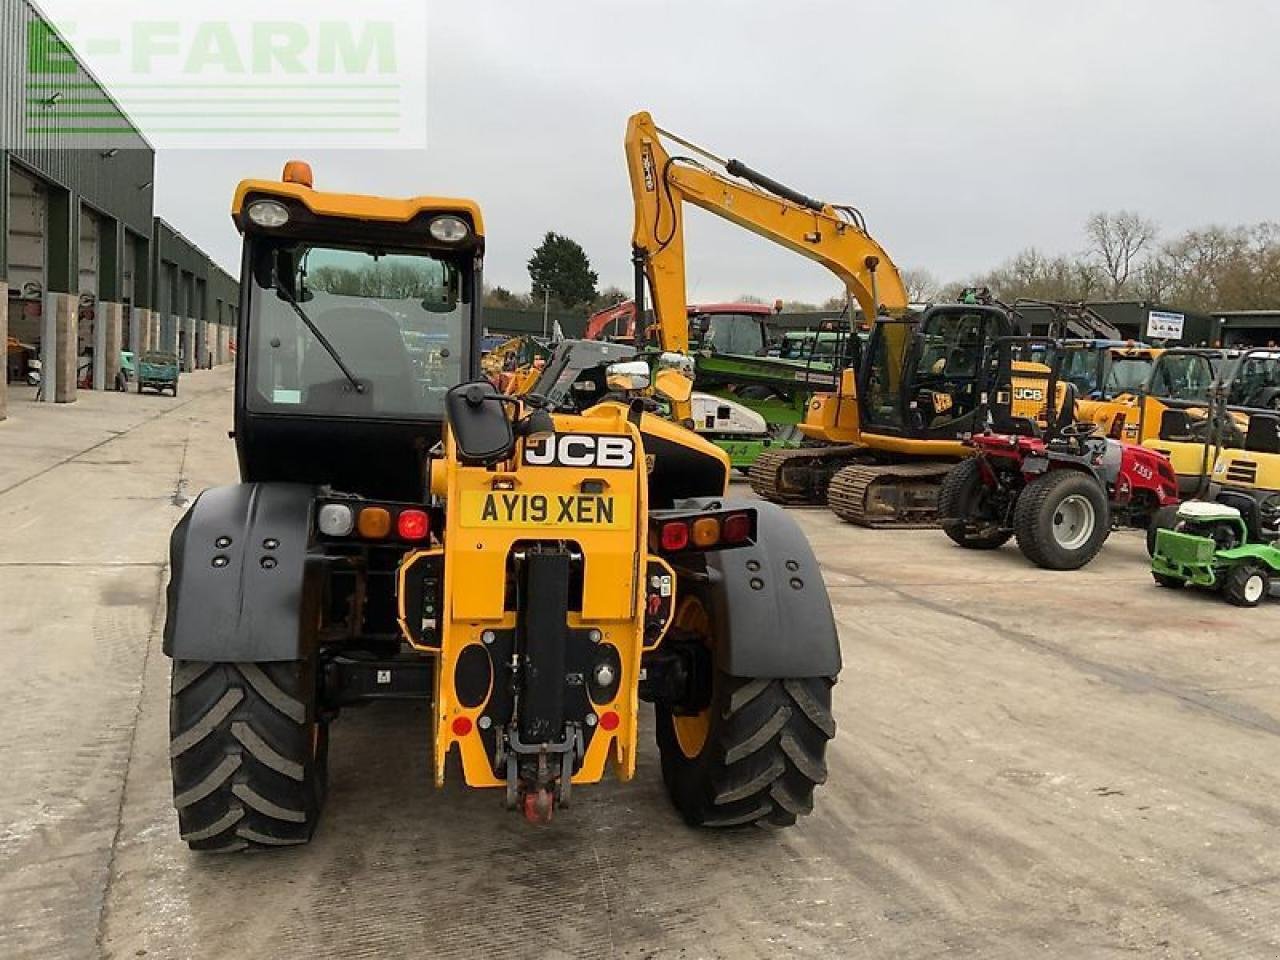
<point>1162,325</point>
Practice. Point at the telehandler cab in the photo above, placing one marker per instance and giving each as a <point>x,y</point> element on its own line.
<point>403,530</point>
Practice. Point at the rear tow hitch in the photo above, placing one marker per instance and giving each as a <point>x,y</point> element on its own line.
<point>540,776</point>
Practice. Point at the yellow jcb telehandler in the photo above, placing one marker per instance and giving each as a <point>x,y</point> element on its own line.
<point>403,530</point>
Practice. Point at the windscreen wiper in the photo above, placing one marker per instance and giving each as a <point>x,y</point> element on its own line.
<point>324,341</point>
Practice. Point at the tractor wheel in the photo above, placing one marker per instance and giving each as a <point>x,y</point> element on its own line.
<point>248,753</point>
<point>754,756</point>
<point>754,391</point>
<point>1062,519</point>
<point>1164,580</point>
<point>1245,585</point>
<point>961,500</point>
<point>1164,519</point>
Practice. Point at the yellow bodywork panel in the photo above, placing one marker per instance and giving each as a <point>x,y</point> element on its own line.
<point>1188,459</point>
<point>1245,468</point>
<point>835,417</point>
<point>356,206</point>
<point>602,514</point>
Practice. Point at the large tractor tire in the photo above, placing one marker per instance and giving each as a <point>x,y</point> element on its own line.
<point>1062,519</point>
<point>754,756</point>
<point>961,503</point>
<point>248,752</point>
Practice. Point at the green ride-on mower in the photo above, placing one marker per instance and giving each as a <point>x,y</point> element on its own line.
<point>1225,538</point>
<point>1211,546</point>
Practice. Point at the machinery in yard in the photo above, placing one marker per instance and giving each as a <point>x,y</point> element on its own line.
<point>532,566</point>
<point>158,371</point>
<point>1224,538</point>
<point>1211,545</point>
<point>1102,371</point>
<point>1169,412</point>
<point>1048,480</point>
<point>746,400</point>
<point>878,442</point>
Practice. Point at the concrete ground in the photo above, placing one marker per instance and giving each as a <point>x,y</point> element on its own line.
<point>1028,764</point>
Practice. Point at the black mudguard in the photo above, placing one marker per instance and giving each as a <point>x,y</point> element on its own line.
<point>242,587</point>
<point>771,611</point>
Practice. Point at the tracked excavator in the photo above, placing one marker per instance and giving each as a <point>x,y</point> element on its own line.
<point>880,443</point>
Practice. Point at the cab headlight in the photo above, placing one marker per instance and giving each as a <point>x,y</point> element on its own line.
<point>449,229</point>
<point>269,214</point>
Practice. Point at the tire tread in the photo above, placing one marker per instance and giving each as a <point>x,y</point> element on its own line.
<point>247,772</point>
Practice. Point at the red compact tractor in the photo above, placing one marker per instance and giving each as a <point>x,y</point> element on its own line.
<point>1051,482</point>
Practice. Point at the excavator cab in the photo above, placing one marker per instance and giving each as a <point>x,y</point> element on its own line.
<point>941,378</point>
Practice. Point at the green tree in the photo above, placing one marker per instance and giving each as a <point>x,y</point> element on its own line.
<point>560,266</point>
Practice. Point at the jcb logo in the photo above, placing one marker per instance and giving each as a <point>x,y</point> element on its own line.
<point>581,450</point>
<point>1034,394</point>
<point>646,164</point>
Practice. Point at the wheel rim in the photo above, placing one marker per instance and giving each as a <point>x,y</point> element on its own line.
<point>1254,588</point>
<point>692,731</point>
<point>1073,522</point>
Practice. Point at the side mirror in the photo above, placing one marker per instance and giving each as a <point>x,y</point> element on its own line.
<point>443,298</point>
<point>481,429</point>
<point>628,376</point>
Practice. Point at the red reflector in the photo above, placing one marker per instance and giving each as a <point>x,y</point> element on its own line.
<point>461,726</point>
<point>737,528</point>
<point>675,535</point>
<point>413,525</point>
<point>609,720</point>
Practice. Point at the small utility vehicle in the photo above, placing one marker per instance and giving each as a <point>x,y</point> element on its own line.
<point>1051,481</point>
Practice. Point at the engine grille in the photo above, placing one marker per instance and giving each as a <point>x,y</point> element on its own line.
<point>1242,471</point>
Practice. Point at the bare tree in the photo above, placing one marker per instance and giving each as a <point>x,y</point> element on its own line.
<point>922,286</point>
<point>1031,273</point>
<point>1117,242</point>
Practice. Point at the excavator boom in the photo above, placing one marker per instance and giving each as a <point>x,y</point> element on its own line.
<point>661,184</point>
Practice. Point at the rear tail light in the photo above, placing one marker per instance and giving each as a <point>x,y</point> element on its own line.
<point>336,520</point>
<point>360,520</point>
<point>706,532</point>
<point>374,523</point>
<point>737,528</point>
<point>413,525</point>
<point>675,535</point>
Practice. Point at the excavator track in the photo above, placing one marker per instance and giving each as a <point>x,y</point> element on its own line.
<point>901,496</point>
<point>798,476</point>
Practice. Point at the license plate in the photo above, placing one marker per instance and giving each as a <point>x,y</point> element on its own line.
<point>508,508</point>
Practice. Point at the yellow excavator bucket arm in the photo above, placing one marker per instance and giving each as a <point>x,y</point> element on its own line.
<point>661,184</point>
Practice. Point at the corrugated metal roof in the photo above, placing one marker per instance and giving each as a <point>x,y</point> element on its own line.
<point>119,185</point>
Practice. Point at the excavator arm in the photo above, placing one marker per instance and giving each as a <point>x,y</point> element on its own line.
<point>661,184</point>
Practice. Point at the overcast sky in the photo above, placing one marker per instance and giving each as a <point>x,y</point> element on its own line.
<point>964,131</point>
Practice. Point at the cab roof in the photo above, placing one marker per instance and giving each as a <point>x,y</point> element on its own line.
<point>355,206</point>
<point>763,309</point>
